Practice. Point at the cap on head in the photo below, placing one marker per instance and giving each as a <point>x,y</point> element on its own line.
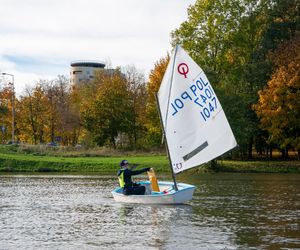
<point>123,163</point>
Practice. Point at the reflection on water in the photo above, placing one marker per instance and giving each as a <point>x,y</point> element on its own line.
<point>228,211</point>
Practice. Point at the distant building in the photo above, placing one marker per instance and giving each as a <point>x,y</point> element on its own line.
<point>83,71</point>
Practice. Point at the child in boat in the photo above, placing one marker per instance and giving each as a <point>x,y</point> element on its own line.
<point>124,175</point>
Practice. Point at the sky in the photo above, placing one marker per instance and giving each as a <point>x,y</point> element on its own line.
<point>39,39</point>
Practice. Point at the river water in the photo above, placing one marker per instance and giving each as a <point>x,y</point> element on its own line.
<point>228,211</point>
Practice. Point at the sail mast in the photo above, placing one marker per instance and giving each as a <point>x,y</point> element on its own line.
<point>166,143</point>
<point>172,75</point>
<point>166,119</point>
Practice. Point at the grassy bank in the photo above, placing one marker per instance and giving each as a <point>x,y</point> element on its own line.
<point>14,160</point>
<point>17,159</point>
<point>262,166</point>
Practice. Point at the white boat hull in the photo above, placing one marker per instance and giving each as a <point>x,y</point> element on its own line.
<point>170,196</point>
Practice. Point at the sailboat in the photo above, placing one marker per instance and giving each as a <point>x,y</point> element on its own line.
<point>195,128</point>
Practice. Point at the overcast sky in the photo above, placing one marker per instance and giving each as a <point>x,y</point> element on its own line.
<point>39,38</point>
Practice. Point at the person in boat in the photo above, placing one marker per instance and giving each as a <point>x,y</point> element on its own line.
<point>124,176</point>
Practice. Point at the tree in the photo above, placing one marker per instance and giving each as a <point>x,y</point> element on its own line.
<point>5,112</point>
<point>110,112</point>
<point>44,113</point>
<point>221,36</point>
<point>137,90</point>
<point>52,114</point>
<point>207,34</point>
<point>279,103</point>
<point>68,122</point>
<point>154,134</point>
<point>281,22</point>
<point>32,115</point>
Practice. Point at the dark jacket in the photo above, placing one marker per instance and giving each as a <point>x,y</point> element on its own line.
<point>128,173</point>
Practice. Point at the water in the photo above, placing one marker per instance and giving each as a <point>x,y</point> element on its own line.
<point>228,211</point>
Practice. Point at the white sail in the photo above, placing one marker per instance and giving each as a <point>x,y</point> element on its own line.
<point>195,124</point>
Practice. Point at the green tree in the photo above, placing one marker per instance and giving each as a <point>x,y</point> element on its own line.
<point>110,113</point>
<point>207,34</point>
<point>221,36</point>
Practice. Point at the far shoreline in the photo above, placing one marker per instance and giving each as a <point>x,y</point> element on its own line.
<point>15,160</point>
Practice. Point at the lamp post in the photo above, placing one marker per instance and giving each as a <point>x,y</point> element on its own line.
<point>12,107</point>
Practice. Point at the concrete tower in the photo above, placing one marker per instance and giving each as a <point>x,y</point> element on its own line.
<point>83,71</point>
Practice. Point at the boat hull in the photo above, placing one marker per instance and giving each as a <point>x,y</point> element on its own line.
<point>169,196</point>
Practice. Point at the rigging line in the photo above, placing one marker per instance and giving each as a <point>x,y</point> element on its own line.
<point>172,75</point>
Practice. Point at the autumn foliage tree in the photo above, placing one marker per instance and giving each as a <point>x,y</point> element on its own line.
<point>31,115</point>
<point>154,134</point>
<point>44,114</point>
<point>279,102</point>
<point>6,113</point>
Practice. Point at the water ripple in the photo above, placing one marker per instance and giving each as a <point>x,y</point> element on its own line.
<point>228,211</point>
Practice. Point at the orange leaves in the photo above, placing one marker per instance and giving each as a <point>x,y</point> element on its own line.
<point>155,78</point>
<point>279,103</point>
<point>156,75</point>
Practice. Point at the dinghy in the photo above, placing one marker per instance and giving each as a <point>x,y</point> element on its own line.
<point>168,195</point>
<point>195,129</point>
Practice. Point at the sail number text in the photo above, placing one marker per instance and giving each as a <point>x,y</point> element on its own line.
<point>201,94</point>
<point>177,166</point>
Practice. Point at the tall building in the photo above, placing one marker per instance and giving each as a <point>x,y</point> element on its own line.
<point>83,71</point>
